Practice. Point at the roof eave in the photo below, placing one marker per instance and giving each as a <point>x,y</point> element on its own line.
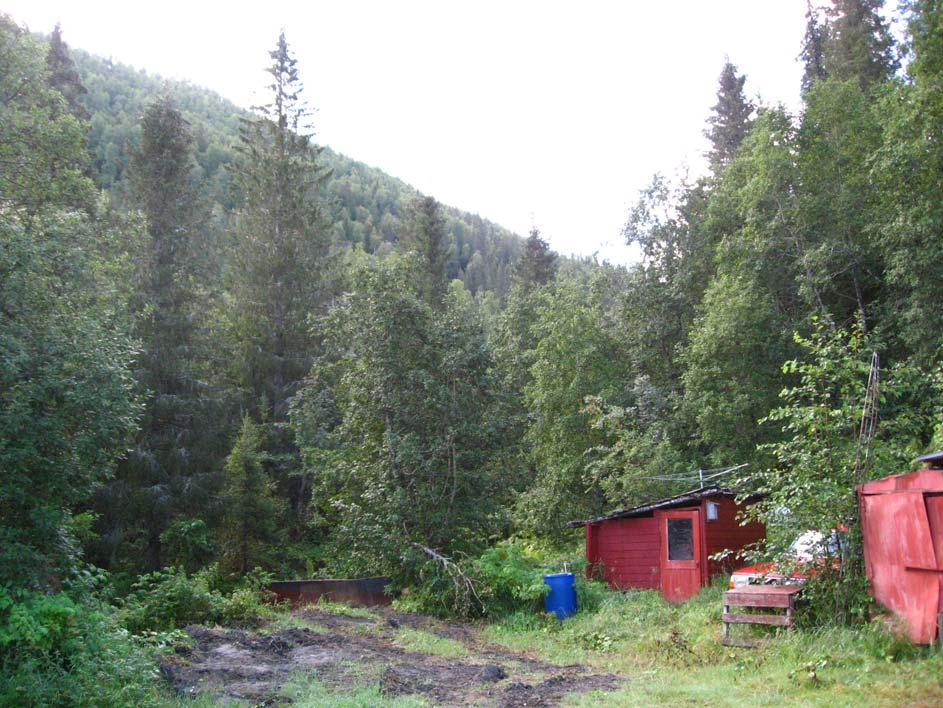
<point>695,495</point>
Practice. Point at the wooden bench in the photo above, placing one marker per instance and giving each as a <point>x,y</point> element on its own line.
<point>764,597</point>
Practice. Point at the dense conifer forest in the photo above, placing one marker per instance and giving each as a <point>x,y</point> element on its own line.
<point>228,353</point>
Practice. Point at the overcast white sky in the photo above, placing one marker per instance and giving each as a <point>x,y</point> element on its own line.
<point>526,112</point>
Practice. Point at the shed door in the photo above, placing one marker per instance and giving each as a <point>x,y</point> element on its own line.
<point>680,554</point>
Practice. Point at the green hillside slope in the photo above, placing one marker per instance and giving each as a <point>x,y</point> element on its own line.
<point>366,205</point>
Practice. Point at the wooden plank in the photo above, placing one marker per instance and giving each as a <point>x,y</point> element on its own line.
<point>762,596</point>
<point>769,589</point>
<point>772,620</point>
<point>732,598</point>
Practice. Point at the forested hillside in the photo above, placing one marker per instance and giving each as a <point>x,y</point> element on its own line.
<point>229,354</point>
<point>366,206</point>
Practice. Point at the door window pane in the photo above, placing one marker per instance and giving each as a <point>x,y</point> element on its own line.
<point>680,539</point>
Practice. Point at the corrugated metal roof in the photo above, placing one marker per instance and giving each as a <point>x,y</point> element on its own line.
<point>934,459</point>
<point>687,498</point>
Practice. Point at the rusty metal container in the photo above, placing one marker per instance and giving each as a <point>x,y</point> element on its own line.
<point>902,527</point>
<point>361,592</point>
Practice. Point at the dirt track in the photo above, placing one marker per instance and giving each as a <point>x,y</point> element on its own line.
<point>343,651</point>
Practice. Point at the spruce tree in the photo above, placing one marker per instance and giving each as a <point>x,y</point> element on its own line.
<point>277,277</point>
<point>159,474</point>
<point>730,121</point>
<point>813,48</point>
<point>62,74</point>
<point>278,264</point>
<point>860,45</point>
<point>427,237</point>
<point>248,524</point>
<point>537,264</point>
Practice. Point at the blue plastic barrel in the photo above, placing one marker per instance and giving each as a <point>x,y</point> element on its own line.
<point>561,600</point>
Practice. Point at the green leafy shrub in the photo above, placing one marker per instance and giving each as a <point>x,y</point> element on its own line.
<point>590,594</point>
<point>35,621</point>
<point>57,650</point>
<point>510,579</point>
<point>811,485</point>
<point>249,602</point>
<point>167,599</point>
<point>188,543</point>
<point>243,607</point>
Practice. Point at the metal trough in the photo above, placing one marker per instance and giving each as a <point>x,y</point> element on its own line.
<point>361,592</point>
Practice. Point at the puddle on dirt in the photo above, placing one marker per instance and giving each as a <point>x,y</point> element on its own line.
<point>231,663</point>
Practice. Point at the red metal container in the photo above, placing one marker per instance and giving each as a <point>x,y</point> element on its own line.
<point>902,526</point>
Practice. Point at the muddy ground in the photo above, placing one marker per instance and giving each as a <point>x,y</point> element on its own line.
<point>344,652</point>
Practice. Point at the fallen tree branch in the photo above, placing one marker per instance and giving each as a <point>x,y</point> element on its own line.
<point>467,600</point>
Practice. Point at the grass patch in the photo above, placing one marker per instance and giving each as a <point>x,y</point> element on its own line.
<point>342,608</point>
<point>305,692</point>
<point>428,643</point>
<point>673,655</point>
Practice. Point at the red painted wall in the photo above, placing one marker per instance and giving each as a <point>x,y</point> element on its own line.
<point>727,533</point>
<point>902,526</point>
<point>628,550</point>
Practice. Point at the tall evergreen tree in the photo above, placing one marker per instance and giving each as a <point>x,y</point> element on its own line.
<point>860,45</point>
<point>537,263</point>
<point>62,74</point>
<point>428,237</point>
<point>278,267</point>
<point>168,267</point>
<point>813,48</point>
<point>159,474</point>
<point>730,120</point>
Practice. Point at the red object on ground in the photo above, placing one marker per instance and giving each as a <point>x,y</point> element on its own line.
<point>665,545</point>
<point>902,527</point>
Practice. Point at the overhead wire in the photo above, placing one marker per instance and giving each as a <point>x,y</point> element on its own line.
<point>695,476</point>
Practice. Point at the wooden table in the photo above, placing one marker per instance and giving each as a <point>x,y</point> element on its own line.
<point>771,597</point>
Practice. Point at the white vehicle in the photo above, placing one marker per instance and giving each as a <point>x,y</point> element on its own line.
<point>809,549</point>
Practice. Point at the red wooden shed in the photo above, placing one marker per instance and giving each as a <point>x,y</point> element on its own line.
<point>666,545</point>
<point>902,528</point>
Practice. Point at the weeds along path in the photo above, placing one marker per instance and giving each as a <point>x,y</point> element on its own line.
<point>342,650</point>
